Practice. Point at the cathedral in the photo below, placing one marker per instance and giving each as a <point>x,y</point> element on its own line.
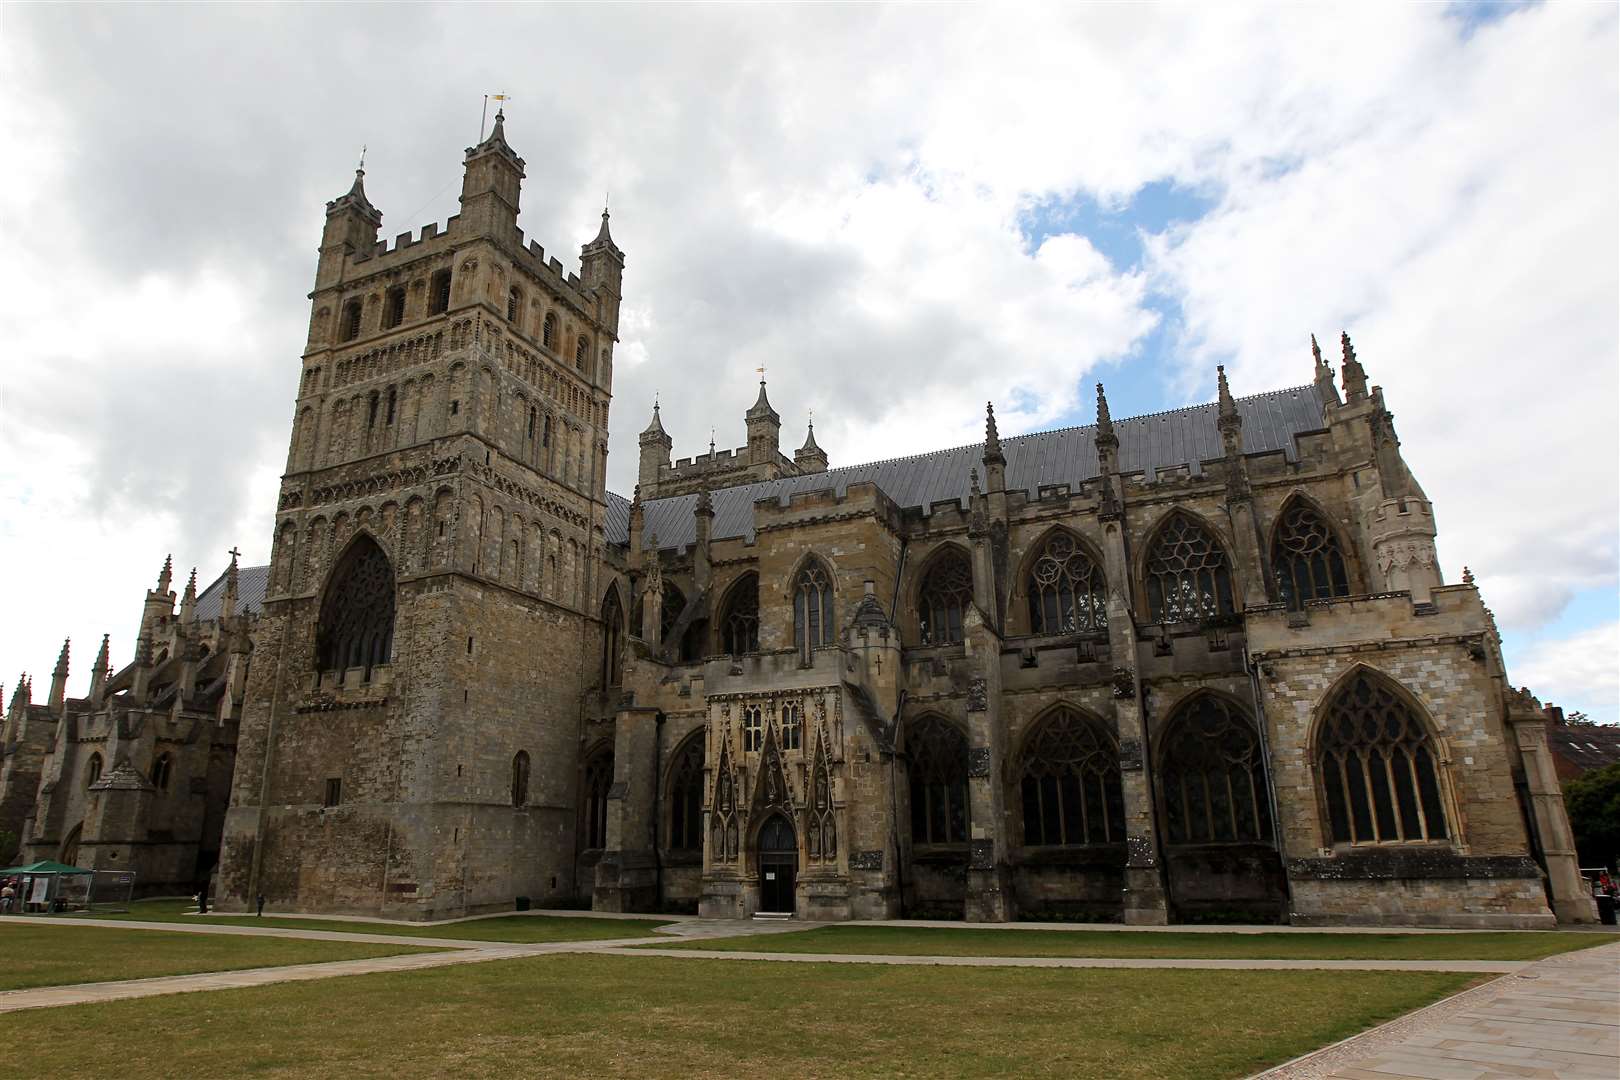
<point>1196,666</point>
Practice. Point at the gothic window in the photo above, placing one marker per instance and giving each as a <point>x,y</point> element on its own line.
<point>545,434</point>
<point>439,293</point>
<point>1212,776</point>
<point>598,780</point>
<point>739,626</point>
<point>548,331</point>
<point>1071,783</point>
<point>821,840</point>
<point>394,307</point>
<point>1379,769</point>
<point>520,778</point>
<point>356,629</point>
<point>792,726</point>
<point>161,768</point>
<point>753,728</point>
<point>938,773</point>
<point>1066,591</point>
<point>812,609</point>
<point>92,771</point>
<point>946,592</point>
<point>351,321</point>
<point>514,304</point>
<point>686,797</point>
<point>1306,558</point>
<point>371,412</point>
<point>612,639</point>
<point>1187,575</point>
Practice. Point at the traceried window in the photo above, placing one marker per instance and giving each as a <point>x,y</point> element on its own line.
<point>1071,783</point>
<point>594,808</point>
<point>1379,770</point>
<point>356,629</point>
<point>439,293</point>
<point>1212,777</point>
<point>1187,575</point>
<point>753,727</point>
<point>548,331</point>
<point>612,639</point>
<point>812,609</point>
<point>739,626</point>
<point>1306,558</point>
<point>161,769</point>
<point>520,778</point>
<point>938,773</point>
<point>943,597</point>
<point>792,726</point>
<point>686,797</point>
<point>92,771</point>
<point>1066,590</point>
<point>350,327</point>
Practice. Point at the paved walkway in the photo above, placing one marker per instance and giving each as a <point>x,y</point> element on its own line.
<point>1557,1018</point>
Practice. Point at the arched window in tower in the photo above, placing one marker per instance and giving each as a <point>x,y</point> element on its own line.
<point>612,638</point>
<point>520,778</point>
<point>582,349</point>
<point>356,628</point>
<point>350,327</point>
<point>739,624</point>
<point>394,307</point>
<point>162,766</point>
<point>594,799</point>
<point>1212,776</point>
<point>514,304</point>
<point>1306,558</point>
<point>1378,767</point>
<point>944,596</point>
<point>938,772</point>
<point>92,770</point>
<point>548,331</point>
<point>1187,575</point>
<point>439,293</point>
<point>1066,590</point>
<point>813,620</point>
<point>686,797</point>
<point>1071,783</point>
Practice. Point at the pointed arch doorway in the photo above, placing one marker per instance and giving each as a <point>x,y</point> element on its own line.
<point>778,866</point>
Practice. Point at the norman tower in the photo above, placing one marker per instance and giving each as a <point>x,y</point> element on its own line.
<point>411,725</point>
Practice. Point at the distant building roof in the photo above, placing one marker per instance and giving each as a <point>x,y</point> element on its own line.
<point>1579,748</point>
<point>251,583</point>
<point>1186,436</point>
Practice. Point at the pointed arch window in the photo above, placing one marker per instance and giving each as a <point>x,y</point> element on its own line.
<point>943,598</point>
<point>1066,590</point>
<point>938,775</point>
<point>598,781</point>
<point>356,628</point>
<point>812,609</point>
<point>686,797</point>
<point>520,778</point>
<point>1188,579</point>
<point>612,639</point>
<point>739,626</point>
<point>92,771</point>
<point>821,833</point>
<point>1212,776</point>
<point>1306,557</point>
<point>1378,767</point>
<point>162,767</point>
<point>1071,783</point>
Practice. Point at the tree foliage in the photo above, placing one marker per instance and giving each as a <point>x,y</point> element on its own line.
<point>1593,802</point>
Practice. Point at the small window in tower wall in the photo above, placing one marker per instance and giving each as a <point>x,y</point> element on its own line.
<point>514,304</point>
<point>548,332</point>
<point>371,414</point>
<point>455,407</point>
<point>351,320</point>
<point>334,792</point>
<point>581,350</point>
<point>391,401</point>
<point>439,297</point>
<point>395,312</point>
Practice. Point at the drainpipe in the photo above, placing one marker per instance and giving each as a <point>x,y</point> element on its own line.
<point>1271,789</point>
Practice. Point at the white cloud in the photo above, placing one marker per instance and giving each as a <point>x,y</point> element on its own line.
<point>1581,671</point>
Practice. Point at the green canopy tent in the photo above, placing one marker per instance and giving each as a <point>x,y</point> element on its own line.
<point>46,885</point>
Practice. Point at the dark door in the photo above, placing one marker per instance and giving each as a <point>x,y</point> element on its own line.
<point>778,865</point>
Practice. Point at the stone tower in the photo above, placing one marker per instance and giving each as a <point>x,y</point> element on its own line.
<point>410,730</point>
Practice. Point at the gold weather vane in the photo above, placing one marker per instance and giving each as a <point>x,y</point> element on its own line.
<point>483,116</point>
<point>761,370</point>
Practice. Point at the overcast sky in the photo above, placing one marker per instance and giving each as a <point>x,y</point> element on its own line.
<point>902,212</point>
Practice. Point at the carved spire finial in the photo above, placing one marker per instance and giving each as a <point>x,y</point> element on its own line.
<point>166,575</point>
<point>62,658</point>
<point>1354,375</point>
<point>992,438</point>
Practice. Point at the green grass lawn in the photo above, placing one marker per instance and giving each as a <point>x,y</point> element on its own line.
<point>931,941</point>
<point>58,955</point>
<point>569,1016</point>
<point>523,929</point>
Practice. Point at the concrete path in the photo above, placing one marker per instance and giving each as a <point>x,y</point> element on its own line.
<point>1557,1018</point>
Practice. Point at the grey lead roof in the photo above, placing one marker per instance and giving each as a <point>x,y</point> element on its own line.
<point>251,582</point>
<point>1187,436</point>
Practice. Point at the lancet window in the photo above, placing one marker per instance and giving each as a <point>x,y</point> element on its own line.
<point>162,767</point>
<point>612,639</point>
<point>753,727</point>
<point>686,797</point>
<point>598,780</point>
<point>1071,783</point>
<point>356,628</point>
<point>1378,767</point>
<point>1188,579</point>
<point>1306,558</point>
<point>938,773</point>
<point>1067,594</point>
<point>813,620</point>
<point>520,778</point>
<point>92,771</point>
<point>943,598</point>
<point>739,626</point>
<point>1213,777</point>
